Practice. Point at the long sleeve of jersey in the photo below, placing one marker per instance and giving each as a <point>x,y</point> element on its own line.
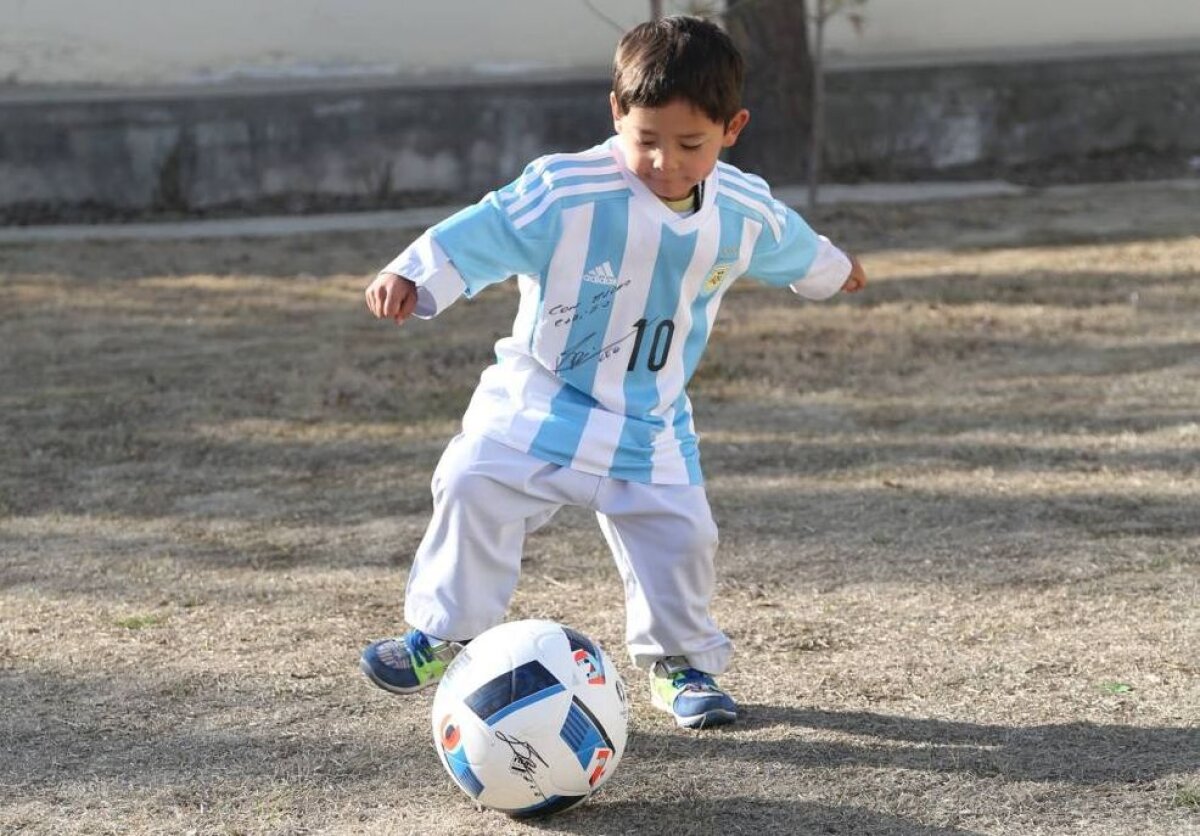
<point>798,258</point>
<point>479,246</point>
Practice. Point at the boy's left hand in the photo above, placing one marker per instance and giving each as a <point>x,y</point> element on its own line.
<point>857,279</point>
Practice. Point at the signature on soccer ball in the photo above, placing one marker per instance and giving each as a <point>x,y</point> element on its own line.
<point>525,761</point>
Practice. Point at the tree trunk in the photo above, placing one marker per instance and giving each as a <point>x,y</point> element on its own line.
<point>773,38</point>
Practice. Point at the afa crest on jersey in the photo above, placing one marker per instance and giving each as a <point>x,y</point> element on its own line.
<point>716,278</point>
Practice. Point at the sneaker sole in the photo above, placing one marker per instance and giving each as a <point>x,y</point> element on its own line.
<point>395,689</point>
<point>707,720</point>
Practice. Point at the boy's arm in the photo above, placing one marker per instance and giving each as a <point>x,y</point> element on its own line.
<point>421,280</point>
<point>474,248</point>
<point>810,264</point>
<point>831,270</point>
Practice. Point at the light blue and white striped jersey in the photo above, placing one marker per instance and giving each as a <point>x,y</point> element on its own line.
<point>618,297</point>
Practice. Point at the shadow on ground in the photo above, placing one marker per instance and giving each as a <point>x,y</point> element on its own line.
<point>68,733</point>
<point>738,815</point>
<point>1077,753</point>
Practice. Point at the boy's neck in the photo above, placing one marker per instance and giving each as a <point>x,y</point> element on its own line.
<point>688,203</point>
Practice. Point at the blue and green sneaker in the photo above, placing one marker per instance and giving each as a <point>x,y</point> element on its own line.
<point>690,695</point>
<point>409,663</point>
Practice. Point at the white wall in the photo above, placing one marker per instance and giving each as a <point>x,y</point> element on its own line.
<point>911,27</point>
<point>142,41</point>
<point>161,41</point>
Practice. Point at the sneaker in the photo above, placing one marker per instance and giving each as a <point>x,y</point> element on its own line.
<point>690,695</point>
<point>409,663</point>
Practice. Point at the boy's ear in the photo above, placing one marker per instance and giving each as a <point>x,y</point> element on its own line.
<point>734,128</point>
<point>616,111</point>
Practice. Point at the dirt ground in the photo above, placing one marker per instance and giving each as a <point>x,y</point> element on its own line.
<point>960,519</point>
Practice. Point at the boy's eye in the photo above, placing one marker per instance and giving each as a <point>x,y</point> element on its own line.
<point>692,147</point>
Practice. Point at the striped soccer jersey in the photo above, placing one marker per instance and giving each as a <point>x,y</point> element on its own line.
<point>618,294</point>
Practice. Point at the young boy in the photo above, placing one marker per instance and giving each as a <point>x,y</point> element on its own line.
<point>622,255</point>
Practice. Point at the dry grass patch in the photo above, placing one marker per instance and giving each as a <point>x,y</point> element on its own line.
<point>960,539</point>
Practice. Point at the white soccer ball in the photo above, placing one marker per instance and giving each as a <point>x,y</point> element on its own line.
<point>530,718</point>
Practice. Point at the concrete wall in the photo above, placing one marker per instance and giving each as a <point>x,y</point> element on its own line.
<point>274,147</point>
<point>997,118</point>
<point>271,148</point>
<point>172,41</point>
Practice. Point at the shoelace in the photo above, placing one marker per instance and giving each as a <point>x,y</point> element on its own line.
<point>690,679</point>
<point>418,646</point>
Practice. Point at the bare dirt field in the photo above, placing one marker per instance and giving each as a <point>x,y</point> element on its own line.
<point>960,520</point>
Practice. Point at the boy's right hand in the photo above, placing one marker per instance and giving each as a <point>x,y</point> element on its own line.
<point>857,279</point>
<point>391,296</point>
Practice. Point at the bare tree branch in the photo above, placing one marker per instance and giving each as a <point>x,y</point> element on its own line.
<point>603,16</point>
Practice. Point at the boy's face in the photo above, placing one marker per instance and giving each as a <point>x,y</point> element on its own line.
<point>673,147</point>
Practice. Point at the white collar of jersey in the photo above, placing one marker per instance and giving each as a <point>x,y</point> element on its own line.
<point>650,203</point>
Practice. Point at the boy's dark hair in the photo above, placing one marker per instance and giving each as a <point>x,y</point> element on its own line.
<point>679,57</point>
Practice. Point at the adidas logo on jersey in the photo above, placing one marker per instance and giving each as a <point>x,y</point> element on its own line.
<point>601,274</point>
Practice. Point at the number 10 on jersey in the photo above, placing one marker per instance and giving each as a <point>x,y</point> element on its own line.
<point>660,344</point>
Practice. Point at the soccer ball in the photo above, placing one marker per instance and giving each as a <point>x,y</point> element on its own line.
<point>530,718</point>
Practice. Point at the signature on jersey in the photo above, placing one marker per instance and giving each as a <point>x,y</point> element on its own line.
<point>584,351</point>
<point>564,315</point>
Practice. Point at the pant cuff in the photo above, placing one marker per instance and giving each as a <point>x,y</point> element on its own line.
<point>714,660</point>
<point>442,627</point>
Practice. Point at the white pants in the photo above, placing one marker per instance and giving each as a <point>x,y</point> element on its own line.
<point>487,497</point>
